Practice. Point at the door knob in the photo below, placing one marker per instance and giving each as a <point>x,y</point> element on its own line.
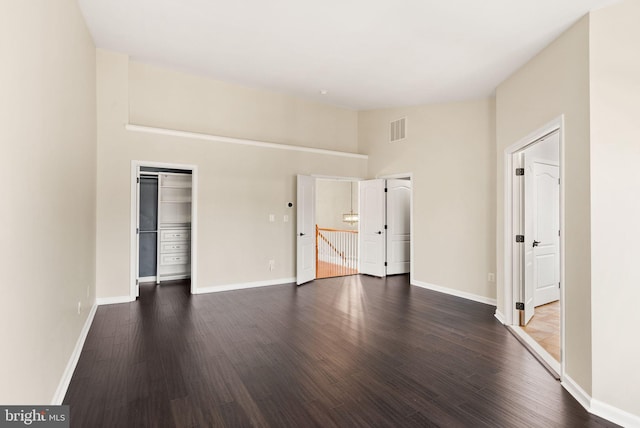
<point>379,232</point>
<point>301,234</point>
<point>535,243</point>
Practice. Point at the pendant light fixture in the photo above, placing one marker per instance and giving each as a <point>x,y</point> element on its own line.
<point>350,217</point>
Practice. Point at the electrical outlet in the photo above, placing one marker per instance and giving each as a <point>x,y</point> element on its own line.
<point>286,218</point>
<point>79,307</point>
<point>272,264</point>
<point>491,277</point>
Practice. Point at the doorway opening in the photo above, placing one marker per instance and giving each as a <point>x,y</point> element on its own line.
<point>336,233</point>
<point>163,207</point>
<point>382,240</point>
<point>534,251</point>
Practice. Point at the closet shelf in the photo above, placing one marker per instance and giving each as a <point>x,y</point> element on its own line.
<point>164,226</point>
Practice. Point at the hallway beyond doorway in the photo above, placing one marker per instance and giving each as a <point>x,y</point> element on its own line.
<point>544,328</point>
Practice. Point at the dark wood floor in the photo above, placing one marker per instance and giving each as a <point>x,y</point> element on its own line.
<point>348,352</point>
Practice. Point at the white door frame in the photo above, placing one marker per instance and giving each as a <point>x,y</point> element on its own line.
<point>135,164</point>
<point>512,223</point>
<point>409,176</point>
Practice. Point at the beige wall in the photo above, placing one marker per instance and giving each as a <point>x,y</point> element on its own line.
<point>333,198</point>
<point>48,138</point>
<point>450,151</point>
<point>555,83</point>
<point>171,99</point>
<point>615,204</point>
<point>239,186</point>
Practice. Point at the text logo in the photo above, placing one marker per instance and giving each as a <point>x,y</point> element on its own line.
<point>34,416</point>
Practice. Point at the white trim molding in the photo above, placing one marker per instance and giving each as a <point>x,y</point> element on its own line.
<point>61,391</point>
<point>453,292</point>
<point>576,391</point>
<point>230,140</point>
<point>614,414</point>
<point>598,408</point>
<point>538,349</point>
<point>100,301</point>
<point>510,287</point>
<point>133,244</point>
<point>499,316</point>
<point>244,285</point>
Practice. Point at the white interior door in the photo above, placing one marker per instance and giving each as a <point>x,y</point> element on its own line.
<point>546,231</point>
<point>398,226</point>
<point>306,230</point>
<point>137,267</point>
<point>372,232</point>
<point>527,295</point>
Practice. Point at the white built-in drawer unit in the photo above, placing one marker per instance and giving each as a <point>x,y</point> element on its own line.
<point>175,250</point>
<point>172,235</point>
<point>174,259</point>
<point>174,247</point>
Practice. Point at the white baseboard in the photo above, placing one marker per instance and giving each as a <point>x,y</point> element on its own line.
<point>242,286</point>
<point>113,300</point>
<point>613,414</point>
<point>576,391</point>
<point>61,391</point>
<point>598,408</point>
<point>500,317</point>
<point>457,293</point>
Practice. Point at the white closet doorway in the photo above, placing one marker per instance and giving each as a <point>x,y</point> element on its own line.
<point>163,226</point>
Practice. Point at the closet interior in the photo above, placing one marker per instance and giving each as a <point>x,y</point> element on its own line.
<point>164,232</point>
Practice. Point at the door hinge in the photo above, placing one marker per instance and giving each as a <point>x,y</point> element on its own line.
<point>519,306</point>
<point>558,285</point>
<point>386,190</point>
<point>136,282</point>
<point>137,231</point>
<point>137,179</point>
<point>385,263</point>
<point>519,238</point>
<point>558,181</point>
<point>519,171</point>
<point>385,227</point>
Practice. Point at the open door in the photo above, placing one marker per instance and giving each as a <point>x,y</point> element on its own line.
<point>398,226</point>
<point>546,232</point>
<point>146,229</point>
<point>528,283</point>
<point>372,228</point>
<point>137,220</point>
<point>306,238</point>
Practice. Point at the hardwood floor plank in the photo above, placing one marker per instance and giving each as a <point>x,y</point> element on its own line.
<point>342,352</point>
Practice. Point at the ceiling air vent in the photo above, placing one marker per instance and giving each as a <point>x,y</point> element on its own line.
<point>398,130</point>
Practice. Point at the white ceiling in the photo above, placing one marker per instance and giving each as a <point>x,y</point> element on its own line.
<point>365,53</point>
